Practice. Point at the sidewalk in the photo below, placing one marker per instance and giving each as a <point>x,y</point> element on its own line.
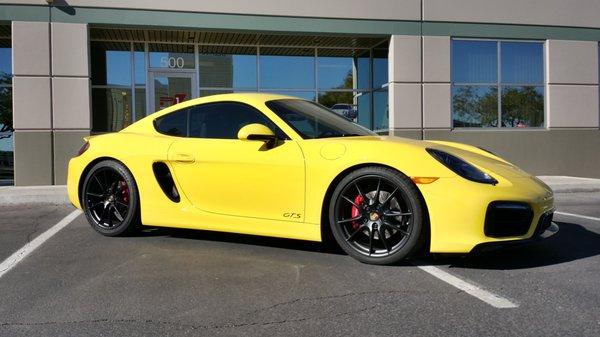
<point>564,184</point>
<point>11,195</point>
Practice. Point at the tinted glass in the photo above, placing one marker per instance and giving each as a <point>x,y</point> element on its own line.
<point>227,67</point>
<point>364,109</point>
<point>111,109</point>
<point>474,61</point>
<point>381,110</point>
<point>139,64</point>
<point>224,120</point>
<point>172,56</point>
<point>5,62</point>
<point>522,106</point>
<point>312,120</point>
<point>307,95</point>
<point>282,68</point>
<point>475,105</point>
<point>380,67</point>
<point>111,64</point>
<point>173,124</point>
<point>522,62</point>
<point>335,72</point>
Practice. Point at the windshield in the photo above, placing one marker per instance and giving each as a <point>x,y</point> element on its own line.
<point>312,120</point>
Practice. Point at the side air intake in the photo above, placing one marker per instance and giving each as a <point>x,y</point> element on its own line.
<point>165,180</point>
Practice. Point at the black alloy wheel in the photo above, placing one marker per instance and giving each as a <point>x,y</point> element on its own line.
<point>110,199</point>
<point>376,215</point>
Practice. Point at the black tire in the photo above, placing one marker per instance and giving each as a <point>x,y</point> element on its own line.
<point>382,220</point>
<point>110,199</point>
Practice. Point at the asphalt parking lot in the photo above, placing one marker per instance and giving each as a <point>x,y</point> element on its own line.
<point>177,282</point>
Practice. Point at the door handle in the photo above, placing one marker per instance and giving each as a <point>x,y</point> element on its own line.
<point>183,158</point>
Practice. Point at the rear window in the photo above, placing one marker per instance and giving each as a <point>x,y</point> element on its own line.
<point>173,124</point>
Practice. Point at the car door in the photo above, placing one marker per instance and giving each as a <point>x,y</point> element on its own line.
<point>221,174</point>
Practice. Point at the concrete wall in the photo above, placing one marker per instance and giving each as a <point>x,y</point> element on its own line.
<point>51,98</point>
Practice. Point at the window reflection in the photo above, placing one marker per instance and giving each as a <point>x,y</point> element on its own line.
<point>475,105</point>
<point>352,80</point>
<point>478,91</point>
<point>227,67</point>
<point>111,63</point>
<point>380,110</point>
<point>111,109</point>
<point>298,65</point>
<point>6,124</point>
<point>171,56</point>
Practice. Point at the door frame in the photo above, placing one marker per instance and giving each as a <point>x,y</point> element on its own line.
<point>150,97</point>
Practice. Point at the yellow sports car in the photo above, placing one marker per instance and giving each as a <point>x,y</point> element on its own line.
<point>280,166</point>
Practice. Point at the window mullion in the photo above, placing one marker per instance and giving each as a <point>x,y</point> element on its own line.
<point>499,81</point>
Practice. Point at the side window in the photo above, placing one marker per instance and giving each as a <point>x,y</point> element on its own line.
<point>173,124</point>
<point>224,120</point>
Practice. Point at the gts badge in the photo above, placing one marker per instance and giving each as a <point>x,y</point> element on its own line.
<point>291,215</point>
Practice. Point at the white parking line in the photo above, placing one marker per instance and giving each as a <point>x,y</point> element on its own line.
<point>492,299</point>
<point>22,253</point>
<point>578,216</point>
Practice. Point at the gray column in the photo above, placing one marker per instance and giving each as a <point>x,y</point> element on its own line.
<point>405,86</point>
<point>71,95</point>
<point>51,98</point>
<point>572,74</point>
<point>32,115</point>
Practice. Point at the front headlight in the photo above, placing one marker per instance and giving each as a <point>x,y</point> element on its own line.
<point>461,167</point>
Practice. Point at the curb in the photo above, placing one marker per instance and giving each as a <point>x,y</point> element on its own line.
<point>53,195</point>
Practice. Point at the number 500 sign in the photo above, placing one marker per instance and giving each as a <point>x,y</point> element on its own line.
<point>172,62</point>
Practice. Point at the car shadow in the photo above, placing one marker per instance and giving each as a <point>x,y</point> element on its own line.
<point>194,234</point>
<point>572,242</point>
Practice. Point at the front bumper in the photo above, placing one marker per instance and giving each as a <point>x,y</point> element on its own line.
<point>457,211</point>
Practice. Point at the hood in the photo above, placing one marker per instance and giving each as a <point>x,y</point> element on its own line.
<point>480,158</point>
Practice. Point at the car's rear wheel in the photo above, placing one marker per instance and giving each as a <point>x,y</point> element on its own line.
<point>110,199</point>
<point>376,215</point>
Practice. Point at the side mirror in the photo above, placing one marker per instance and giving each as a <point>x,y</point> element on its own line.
<point>256,132</point>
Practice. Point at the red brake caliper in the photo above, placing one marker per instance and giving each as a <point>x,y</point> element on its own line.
<point>124,192</point>
<point>356,212</point>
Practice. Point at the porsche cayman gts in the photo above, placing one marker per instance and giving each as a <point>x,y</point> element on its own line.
<point>280,166</point>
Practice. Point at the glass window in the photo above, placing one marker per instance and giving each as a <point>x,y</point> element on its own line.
<point>6,130</point>
<point>111,63</point>
<point>474,61</point>
<point>284,68</point>
<point>475,105</point>
<point>307,95</point>
<point>227,67</point>
<point>380,110</point>
<point>478,92</point>
<point>312,120</point>
<point>224,120</point>
<point>172,56</point>
<point>139,60</point>
<point>111,109</point>
<point>335,72</point>
<point>380,67</point>
<point>522,106</point>
<point>522,62</point>
<point>173,124</point>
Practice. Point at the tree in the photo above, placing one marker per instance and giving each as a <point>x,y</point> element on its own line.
<point>330,98</point>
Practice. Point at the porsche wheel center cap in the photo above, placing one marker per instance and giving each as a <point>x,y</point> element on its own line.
<point>374,216</point>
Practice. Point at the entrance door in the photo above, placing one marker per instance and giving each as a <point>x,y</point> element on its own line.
<point>170,88</point>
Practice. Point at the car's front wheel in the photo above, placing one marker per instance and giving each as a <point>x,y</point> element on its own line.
<point>110,199</point>
<point>376,215</point>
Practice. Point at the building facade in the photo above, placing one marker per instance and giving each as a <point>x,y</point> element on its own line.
<point>519,78</point>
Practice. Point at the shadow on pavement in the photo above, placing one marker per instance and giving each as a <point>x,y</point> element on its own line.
<point>572,242</point>
<point>193,234</point>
